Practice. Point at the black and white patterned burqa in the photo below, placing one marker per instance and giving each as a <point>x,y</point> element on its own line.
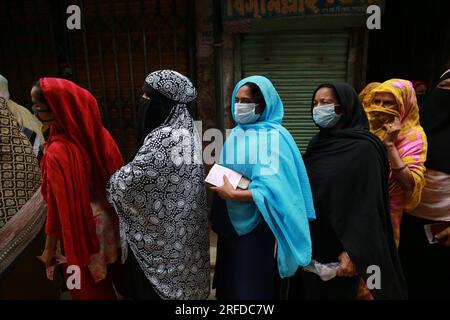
<point>160,199</point>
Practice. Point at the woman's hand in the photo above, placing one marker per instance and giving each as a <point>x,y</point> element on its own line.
<point>400,170</point>
<point>444,237</point>
<point>346,268</point>
<point>226,192</point>
<point>392,131</point>
<point>48,257</point>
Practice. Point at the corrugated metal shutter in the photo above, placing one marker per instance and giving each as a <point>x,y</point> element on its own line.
<point>297,63</point>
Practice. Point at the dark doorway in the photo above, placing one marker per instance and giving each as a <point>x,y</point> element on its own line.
<point>413,44</point>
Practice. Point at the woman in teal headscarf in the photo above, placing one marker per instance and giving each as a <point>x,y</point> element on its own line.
<point>269,221</point>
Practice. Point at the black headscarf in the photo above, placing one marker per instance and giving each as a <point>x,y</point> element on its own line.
<point>348,171</point>
<point>354,116</point>
<point>435,120</point>
<point>152,112</point>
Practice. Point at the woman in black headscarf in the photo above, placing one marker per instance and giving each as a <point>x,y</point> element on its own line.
<point>435,120</point>
<point>429,276</point>
<point>348,170</point>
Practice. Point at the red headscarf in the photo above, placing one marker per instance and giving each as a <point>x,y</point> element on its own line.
<point>79,158</point>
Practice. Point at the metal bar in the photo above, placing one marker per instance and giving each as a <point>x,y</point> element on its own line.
<point>30,32</point>
<point>174,16</point>
<point>71,48</point>
<point>85,46</point>
<point>53,40</point>
<point>190,37</point>
<point>6,51</point>
<point>118,99</point>
<point>218,66</point>
<point>14,46</point>
<point>365,55</point>
<point>351,56</point>
<point>104,106</point>
<point>237,57</point>
<point>130,64</point>
<point>3,55</point>
<point>159,19</point>
<point>144,37</point>
<point>67,44</point>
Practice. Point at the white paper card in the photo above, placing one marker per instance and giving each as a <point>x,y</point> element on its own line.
<point>215,176</point>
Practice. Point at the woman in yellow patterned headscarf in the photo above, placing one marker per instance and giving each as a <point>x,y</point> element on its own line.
<point>394,117</point>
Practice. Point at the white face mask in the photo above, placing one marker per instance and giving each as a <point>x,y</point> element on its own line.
<point>244,113</point>
<point>325,116</point>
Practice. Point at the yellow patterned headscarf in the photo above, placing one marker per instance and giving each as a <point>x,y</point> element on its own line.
<point>363,94</point>
<point>411,142</point>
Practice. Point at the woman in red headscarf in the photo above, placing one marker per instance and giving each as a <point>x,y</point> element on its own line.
<point>80,156</point>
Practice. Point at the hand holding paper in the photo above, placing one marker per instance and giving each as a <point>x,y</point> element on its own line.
<point>226,181</point>
<point>227,191</point>
<point>216,174</point>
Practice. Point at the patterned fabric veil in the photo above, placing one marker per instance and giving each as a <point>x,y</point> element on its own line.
<point>160,199</point>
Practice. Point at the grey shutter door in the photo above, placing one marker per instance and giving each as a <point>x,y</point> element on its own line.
<point>297,62</point>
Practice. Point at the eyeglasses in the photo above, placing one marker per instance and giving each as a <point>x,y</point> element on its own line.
<point>36,110</point>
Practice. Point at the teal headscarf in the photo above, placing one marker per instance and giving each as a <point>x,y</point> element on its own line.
<point>266,153</point>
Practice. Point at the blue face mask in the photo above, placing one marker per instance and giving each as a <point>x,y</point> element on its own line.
<point>325,116</point>
<point>244,113</point>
